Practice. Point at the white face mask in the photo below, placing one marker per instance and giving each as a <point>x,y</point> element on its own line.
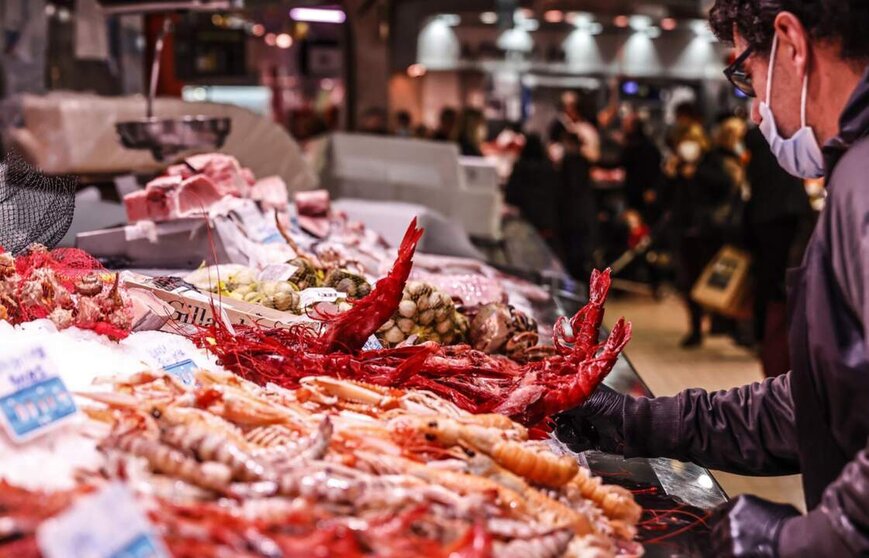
<point>800,155</point>
<point>689,151</point>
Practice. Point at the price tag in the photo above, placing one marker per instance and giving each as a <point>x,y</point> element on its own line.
<point>277,272</point>
<point>255,224</point>
<point>172,356</point>
<point>309,297</point>
<point>33,398</point>
<point>108,524</point>
<point>373,344</point>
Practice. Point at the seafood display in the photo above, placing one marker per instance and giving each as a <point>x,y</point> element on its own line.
<point>333,468</point>
<point>407,417</point>
<point>473,380</point>
<point>67,286</point>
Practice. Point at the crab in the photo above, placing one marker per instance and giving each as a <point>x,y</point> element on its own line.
<point>499,328</point>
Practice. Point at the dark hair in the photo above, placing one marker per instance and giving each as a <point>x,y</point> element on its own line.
<point>687,109</point>
<point>839,21</point>
<point>448,115</point>
<point>403,118</point>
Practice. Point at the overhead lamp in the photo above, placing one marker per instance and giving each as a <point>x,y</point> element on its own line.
<point>553,16</point>
<point>516,39</point>
<point>639,22</point>
<point>621,21</point>
<point>450,19</point>
<point>284,40</point>
<point>271,39</point>
<point>579,18</point>
<point>258,30</point>
<point>318,15</point>
<point>527,13</point>
<point>652,32</point>
<point>489,18</point>
<point>668,24</point>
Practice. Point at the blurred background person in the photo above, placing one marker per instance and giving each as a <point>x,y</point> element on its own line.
<point>446,125</point>
<point>641,160</point>
<point>403,124</point>
<point>686,115</point>
<point>470,132</point>
<point>570,121</point>
<point>777,212</point>
<point>577,209</point>
<point>533,188</point>
<point>374,121</point>
<point>699,186</point>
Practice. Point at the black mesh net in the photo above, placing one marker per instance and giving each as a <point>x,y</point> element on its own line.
<point>34,208</point>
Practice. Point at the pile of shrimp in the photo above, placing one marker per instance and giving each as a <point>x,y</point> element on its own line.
<point>340,468</point>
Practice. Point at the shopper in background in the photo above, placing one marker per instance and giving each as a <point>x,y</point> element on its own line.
<point>446,125</point>
<point>641,160</point>
<point>698,186</point>
<point>686,116</point>
<point>577,209</point>
<point>374,121</point>
<point>776,214</point>
<point>570,121</point>
<point>532,188</point>
<point>470,132</point>
<point>807,62</point>
<point>403,124</point>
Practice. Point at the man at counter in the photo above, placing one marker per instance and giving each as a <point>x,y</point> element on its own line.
<point>806,62</point>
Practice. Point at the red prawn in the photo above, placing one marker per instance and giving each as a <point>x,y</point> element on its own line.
<point>350,330</point>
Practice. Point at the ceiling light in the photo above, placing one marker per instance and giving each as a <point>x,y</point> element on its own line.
<point>284,40</point>
<point>553,16</point>
<point>668,24</point>
<point>318,15</point>
<point>271,39</point>
<point>258,30</point>
<point>527,13</point>
<point>621,21</point>
<point>489,18</point>
<point>639,22</point>
<point>653,32</point>
<point>516,39</point>
<point>450,19</point>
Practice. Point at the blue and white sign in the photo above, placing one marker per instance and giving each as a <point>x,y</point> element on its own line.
<point>33,398</point>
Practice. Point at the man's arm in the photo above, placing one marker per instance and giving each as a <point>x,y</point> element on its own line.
<point>840,525</point>
<point>746,430</point>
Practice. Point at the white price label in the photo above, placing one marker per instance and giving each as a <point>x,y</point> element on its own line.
<point>108,524</point>
<point>277,272</point>
<point>309,297</point>
<point>33,398</point>
<point>174,360</point>
<point>256,225</point>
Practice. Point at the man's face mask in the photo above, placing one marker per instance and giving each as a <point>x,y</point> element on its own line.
<point>800,155</point>
<point>689,151</point>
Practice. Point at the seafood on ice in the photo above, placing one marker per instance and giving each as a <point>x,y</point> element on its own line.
<point>333,468</point>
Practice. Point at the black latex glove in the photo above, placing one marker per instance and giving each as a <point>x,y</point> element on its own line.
<point>748,526</point>
<point>596,424</point>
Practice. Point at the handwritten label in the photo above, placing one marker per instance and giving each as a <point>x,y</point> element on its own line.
<point>108,524</point>
<point>277,272</point>
<point>169,355</point>
<point>33,398</point>
<point>309,297</point>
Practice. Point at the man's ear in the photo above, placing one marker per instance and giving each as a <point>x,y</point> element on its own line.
<point>793,41</point>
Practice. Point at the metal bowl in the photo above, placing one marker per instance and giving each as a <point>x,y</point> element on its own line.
<point>167,137</point>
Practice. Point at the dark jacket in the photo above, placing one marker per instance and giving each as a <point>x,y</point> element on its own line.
<point>775,195</point>
<point>696,201</point>
<point>641,160</point>
<point>815,419</point>
<point>533,188</point>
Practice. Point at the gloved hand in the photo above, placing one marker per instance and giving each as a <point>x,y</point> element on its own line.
<point>748,526</point>
<point>596,424</point>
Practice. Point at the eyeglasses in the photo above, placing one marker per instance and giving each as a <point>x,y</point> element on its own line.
<point>738,77</point>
